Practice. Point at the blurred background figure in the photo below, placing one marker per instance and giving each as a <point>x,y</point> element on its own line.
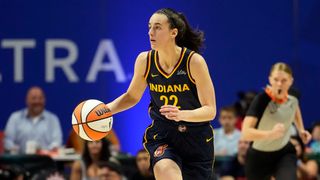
<point>268,124</point>
<point>227,137</point>
<point>110,171</point>
<point>1,142</point>
<point>143,164</point>
<point>49,175</point>
<point>234,169</point>
<point>87,167</point>
<point>74,141</point>
<point>11,172</point>
<point>315,142</point>
<point>33,128</point>
<point>306,169</point>
<point>242,105</point>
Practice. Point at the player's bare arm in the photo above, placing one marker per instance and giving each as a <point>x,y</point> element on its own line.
<point>135,91</point>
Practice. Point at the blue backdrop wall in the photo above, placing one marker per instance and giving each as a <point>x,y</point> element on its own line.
<point>79,50</point>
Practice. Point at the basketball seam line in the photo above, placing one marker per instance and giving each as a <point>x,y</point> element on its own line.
<point>91,111</point>
<point>77,121</point>
<point>94,120</point>
<point>91,121</point>
<point>86,118</point>
<point>89,126</point>
<point>87,134</point>
<point>81,112</point>
<point>81,121</point>
<point>96,130</point>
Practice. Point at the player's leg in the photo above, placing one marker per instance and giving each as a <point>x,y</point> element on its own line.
<point>167,169</point>
<point>197,151</point>
<point>198,170</point>
<point>164,160</point>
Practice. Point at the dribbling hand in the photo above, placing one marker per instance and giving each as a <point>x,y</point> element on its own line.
<point>170,112</point>
<point>277,131</point>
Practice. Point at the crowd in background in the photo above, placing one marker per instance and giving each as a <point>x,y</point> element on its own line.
<point>35,130</point>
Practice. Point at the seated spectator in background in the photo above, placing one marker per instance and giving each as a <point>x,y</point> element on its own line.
<point>49,175</point>
<point>234,169</point>
<point>143,164</point>
<point>1,142</point>
<point>33,125</point>
<point>94,152</point>
<point>315,142</point>
<point>12,172</point>
<point>110,171</point>
<point>242,105</point>
<point>226,137</point>
<point>74,141</point>
<point>306,169</point>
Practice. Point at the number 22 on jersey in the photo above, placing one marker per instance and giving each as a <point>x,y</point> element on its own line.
<point>172,98</point>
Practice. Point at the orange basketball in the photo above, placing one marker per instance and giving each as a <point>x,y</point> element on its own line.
<point>92,120</point>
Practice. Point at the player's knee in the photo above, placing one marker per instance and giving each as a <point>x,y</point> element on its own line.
<point>167,169</point>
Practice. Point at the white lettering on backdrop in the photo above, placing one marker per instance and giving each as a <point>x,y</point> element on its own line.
<point>105,49</point>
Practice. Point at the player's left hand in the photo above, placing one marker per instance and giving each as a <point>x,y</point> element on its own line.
<point>170,112</point>
<point>305,136</point>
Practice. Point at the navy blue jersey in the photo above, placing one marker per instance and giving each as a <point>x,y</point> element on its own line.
<point>177,88</point>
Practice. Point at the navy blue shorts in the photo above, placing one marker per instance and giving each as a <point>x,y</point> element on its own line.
<point>191,147</point>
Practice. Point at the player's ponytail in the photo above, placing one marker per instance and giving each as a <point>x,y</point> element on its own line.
<point>187,37</point>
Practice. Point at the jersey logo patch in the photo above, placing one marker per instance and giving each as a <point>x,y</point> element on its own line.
<point>209,139</point>
<point>160,150</point>
<point>154,75</point>
<point>155,136</point>
<point>181,72</point>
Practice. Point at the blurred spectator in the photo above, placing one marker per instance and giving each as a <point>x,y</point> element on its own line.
<point>74,141</point>
<point>33,127</point>
<point>242,105</point>
<point>110,171</point>
<point>94,152</point>
<point>226,137</point>
<point>315,144</point>
<point>48,175</point>
<point>1,142</point>
<point>12,172</point>
<point>306,169</point>
<point>234,169</point>
<point>143,164</point>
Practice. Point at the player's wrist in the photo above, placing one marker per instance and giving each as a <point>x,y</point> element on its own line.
<point>183,115</point>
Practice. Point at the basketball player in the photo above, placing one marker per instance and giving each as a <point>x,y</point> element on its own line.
<point>268,123</point>
<point>180,138</point>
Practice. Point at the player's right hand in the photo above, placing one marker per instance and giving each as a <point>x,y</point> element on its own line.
<point>277,131</point>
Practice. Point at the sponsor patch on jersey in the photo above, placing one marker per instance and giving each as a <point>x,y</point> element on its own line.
<point>181,72</point>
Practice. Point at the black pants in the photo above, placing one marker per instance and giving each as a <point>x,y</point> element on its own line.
<point>281,164</point>
<point>191,147</point>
